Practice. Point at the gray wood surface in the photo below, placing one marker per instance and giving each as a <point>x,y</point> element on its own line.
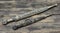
<point>10,8</point>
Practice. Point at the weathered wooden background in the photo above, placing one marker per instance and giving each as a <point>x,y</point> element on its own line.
<point>10,8</point>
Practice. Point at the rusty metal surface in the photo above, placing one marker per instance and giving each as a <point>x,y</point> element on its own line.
<point>10,8</point>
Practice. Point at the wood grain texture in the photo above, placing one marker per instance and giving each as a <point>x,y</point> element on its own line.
<point>8,9</point>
